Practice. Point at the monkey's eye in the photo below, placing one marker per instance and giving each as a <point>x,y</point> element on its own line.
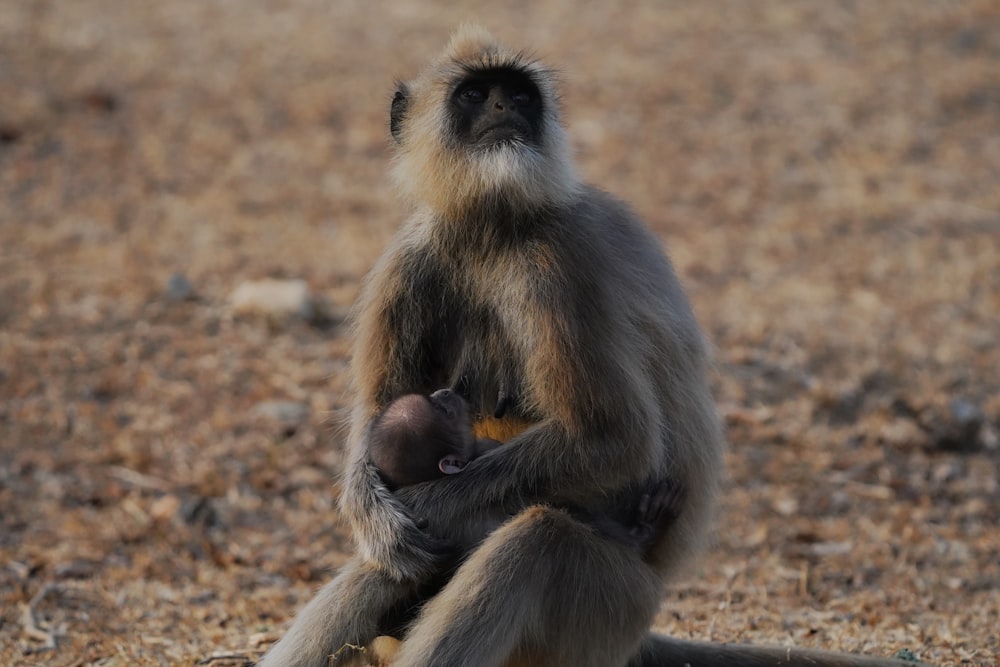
<point>474,94</point>
<point>444,409</point>
<point>521,97</point>
<point>442,406</point>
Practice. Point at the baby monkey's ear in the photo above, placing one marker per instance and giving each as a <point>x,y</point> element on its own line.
<point>449,465</point>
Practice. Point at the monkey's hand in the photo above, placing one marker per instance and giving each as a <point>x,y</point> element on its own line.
<point>387,533</point>
<point>659,507</point>
<point>466,507</point>
<point>546,464</point>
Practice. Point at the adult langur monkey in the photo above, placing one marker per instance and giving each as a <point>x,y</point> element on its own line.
<point>550,308</point>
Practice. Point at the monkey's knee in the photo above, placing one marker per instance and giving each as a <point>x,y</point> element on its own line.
<point>536,538</point>
<point>566,563</point>
<point>569,536</point>
<point>540,515</point>
<point>544,587</point>
<point>345,612</point>
<point>546,522</point>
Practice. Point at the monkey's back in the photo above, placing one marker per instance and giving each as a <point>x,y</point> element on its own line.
<point>638,297</point>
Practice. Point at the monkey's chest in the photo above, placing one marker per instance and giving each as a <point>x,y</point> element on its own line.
<point>498,403</point>
<point>489,373</point>
<point>502,429</point>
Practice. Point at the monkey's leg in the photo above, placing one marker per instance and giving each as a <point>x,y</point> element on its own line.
<point>345,611</point>
<point>660,651</point>
<point>543,589</point>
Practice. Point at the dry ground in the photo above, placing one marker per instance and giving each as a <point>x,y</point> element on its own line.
<point>826,176</point>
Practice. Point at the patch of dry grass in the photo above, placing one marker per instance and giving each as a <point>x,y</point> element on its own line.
<point>824,175</point>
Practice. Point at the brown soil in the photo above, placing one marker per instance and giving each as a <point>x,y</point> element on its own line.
<point>826,176</point>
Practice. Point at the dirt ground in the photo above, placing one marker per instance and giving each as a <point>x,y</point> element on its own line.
<point>825,175</point>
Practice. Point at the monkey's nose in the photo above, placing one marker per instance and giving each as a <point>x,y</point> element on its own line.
<point>443,394</point>
<point>448,401</point>
<point>501,102</point>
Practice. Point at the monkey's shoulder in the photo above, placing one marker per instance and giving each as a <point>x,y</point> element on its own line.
<point>613,221</point>
<point>599,238</point>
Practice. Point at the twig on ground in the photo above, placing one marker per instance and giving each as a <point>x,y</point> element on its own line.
<point>220,657</point>
<point>138,479</point>
<point>31,627</point>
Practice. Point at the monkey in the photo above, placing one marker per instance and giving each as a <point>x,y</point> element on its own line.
<point>418,438</point>
<point>513,278</point>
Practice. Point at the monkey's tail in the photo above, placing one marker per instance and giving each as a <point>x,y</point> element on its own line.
<point>661,651</point>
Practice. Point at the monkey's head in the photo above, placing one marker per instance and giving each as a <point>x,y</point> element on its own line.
<point>419,438</point>
<point>481,124</point>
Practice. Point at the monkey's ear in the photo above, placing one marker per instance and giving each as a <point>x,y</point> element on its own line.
<point>450,465</point>
<point>398,111</point>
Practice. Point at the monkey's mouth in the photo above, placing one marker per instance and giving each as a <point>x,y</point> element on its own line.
<point>502,133</point>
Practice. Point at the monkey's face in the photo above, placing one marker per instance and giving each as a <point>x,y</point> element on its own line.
<point>451,415</point>
<point>481,124</point>
<point>486,109</point>
<point>494,108</point>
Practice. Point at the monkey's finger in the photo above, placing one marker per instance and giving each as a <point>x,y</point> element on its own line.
<point>675,499</point>
<point>665,502</point>
<point>644,505</point>
<point>656,504</point>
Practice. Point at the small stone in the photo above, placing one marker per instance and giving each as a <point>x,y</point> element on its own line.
<point>199,511</point>
<point>179,288</point>
<point>962,429</point>
<point>279,298</point>
<point>284,412</point>
<point>965,414</point>
<point>76,569</point>
<point>165,508</point>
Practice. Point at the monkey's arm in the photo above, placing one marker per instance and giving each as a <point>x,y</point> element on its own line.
<point>384,528</point>
<point>485,445</point>
<point>388,361</point>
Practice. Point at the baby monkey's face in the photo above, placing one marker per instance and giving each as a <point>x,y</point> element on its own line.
<point>451,405</point>
<point>452,421</point>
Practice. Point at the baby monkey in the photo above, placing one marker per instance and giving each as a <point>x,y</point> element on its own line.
<point>419,438</point>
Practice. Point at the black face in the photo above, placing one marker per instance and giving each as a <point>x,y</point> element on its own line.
<point>452,408</point>
<point>492,107</point>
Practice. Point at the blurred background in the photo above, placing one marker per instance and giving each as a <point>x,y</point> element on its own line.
<point>190,193</point>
